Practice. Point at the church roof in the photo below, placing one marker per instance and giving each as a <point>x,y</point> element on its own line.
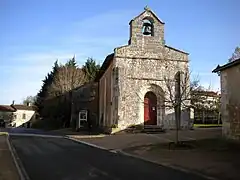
<point>149,10</point>
<point>176,49</point>
<point>104,66</point>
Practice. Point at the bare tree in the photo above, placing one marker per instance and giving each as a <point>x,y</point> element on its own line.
<point>29,100</point>
<point>66,79</point>
<point>235,55</point>
<point>177,95</point>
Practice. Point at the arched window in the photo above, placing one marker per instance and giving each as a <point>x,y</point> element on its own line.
<point>147,27</point>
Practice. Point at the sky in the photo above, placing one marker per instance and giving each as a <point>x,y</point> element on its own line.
<point>33,34</point>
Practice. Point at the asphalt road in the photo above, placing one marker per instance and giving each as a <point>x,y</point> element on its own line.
<point>63,159</point>
<point>26,131</point>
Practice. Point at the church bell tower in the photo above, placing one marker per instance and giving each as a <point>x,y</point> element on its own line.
<point>146,29</point>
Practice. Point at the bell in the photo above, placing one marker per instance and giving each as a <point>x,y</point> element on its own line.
<point>147,29</point>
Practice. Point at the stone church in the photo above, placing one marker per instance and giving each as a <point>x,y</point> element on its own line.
<point>131,82</point>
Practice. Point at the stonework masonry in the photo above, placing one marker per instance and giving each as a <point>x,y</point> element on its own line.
<point>230,102</point>
<point>141,67</point>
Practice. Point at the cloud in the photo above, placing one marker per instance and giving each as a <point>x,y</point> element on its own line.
<point>100,32</point>
<point>96,37</point>
<point>106,23</point>
<point>23,78</point>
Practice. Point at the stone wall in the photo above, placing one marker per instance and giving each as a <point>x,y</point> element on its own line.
<point>142,66</point>
<point>137,68</point>
<point>230,102</point>
<point>105,97</point>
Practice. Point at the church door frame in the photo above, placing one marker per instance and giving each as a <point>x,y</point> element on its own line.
<point>150,108</point>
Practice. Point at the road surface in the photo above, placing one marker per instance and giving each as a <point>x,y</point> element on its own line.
<point>26,131</point>
<point>63,159</point>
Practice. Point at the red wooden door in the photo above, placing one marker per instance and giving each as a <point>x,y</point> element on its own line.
<point>150,109</point>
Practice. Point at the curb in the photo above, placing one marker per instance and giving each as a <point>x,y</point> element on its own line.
<point>167,165</point>
<point>3,133</point>
<point>119,151</point>
<point>87,136</point>
<point>21,171</point>
<point>83,142</point>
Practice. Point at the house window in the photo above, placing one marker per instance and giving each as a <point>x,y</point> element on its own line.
<point>24,116</point>
<point>14,116</point>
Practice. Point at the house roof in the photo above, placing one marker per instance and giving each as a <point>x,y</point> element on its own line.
<point>149,10</point>
<point>23,107</point>
<point>104,66</point>
<point>205,93</point>
<point>226,66</point>
<point>7,108</point>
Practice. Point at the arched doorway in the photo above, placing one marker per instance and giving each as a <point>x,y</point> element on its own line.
<point>150,109</point>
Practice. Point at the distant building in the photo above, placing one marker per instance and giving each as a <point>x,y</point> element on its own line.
<point>17,115</point>
<point>230,97</point>
<point>24,115</point>
<point>6,114</point>
<point>206,107</point>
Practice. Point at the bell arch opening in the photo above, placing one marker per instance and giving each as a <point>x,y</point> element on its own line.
<point>148,27</point>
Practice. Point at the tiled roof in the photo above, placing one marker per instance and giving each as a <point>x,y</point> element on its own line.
<point>206,93</point>
<point>24,107</point>
<point>176,49</point>
<point>6,108</point>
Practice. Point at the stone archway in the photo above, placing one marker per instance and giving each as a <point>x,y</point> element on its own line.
<point>156,111</point>
<point>150,108</point>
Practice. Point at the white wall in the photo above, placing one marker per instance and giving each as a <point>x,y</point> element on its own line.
<point>19,120</point>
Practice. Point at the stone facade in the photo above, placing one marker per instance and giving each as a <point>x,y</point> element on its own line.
<point>230,98</point>
<point>138,68</point>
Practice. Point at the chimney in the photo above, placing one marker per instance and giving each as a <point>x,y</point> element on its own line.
<point>28,104</point>
<point>13,102</point>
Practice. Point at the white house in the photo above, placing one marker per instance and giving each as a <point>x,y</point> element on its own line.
<point>23,115</point>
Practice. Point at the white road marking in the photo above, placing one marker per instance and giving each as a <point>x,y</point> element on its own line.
<point>21,171</point>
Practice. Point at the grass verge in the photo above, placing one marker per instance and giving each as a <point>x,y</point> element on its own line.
<point>206,125</point>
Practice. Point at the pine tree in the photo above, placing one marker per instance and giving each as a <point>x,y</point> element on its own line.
<point>44,92</point>
<point>91,69</point>
<point>71,62</point>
